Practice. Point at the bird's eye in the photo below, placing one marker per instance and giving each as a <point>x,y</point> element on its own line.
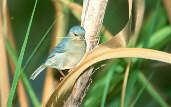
<point>75,34</point>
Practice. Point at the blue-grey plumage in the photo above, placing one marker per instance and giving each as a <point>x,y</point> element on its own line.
<point>67,53</point>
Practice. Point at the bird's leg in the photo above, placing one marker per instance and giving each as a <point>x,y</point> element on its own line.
<point>71,69</point>
<point>62,73</point>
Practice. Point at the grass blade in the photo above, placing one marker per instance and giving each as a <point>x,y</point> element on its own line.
<point>30,91</point>
<point>107,84</point>
<point>146,40</point>
<point>25,80</point>
<point>133,75</point>
<point>38,45</point>
<point>142,89</point>
<point>14,58</point>
<point>158,37</point>
<point>18,67</point>
<point>152,91</point>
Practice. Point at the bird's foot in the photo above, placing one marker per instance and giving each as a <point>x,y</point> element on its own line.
<point>63,75</point>
<point>61,78</point>
<point>71,69</point>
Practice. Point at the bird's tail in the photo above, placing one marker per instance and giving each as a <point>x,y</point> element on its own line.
<point>38,71</point>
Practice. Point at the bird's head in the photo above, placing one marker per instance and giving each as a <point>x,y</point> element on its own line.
<point>77,33</point>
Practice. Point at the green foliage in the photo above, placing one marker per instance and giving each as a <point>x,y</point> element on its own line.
<point>105,90</point>
<point>19,62</point>
<point>24,77</point>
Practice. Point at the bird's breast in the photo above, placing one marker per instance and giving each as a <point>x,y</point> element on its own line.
<point>71,57</point>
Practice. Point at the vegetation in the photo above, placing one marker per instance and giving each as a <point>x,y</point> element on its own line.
<point>129,67</point>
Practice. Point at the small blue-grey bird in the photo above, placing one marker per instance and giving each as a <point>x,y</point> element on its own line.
<point>67,53</point>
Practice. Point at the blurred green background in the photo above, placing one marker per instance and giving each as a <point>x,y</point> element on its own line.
<point>116,17</point>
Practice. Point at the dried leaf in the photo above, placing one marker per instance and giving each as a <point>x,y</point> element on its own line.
<point>168,9</point>
<point>139,8</point>
<point>103,52</point>
<point>116,42</point>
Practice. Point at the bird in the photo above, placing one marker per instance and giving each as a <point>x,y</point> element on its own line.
<point>67,53</point>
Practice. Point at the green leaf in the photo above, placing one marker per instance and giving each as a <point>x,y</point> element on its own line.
<point>107,84</point>
<point>14,58</point>
<point>158,37</point>
<point>19,63</point>
<point>152,91</point>
<point>133,75</point>
<point>141,90</point>
<point>30,91</point>
<point>25,80</point>
<point>39,44</point>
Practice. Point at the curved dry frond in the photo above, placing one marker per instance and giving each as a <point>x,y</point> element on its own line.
<point>91,35</point>
<point>139,15</point>
<point>103,52</point>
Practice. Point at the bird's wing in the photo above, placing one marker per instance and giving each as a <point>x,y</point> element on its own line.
<point>60,48</point>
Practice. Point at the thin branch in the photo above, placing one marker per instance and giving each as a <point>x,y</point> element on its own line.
<point>92,18</point>
<point>76,8</point>
<point>125,83</point>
